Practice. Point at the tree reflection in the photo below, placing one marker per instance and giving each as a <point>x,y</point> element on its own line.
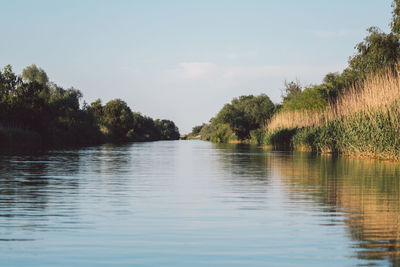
<point>365,192</point>
<point>35,187</point>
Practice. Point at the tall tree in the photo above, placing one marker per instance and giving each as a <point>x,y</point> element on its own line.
<point>291,89</point>
<point>118,119</point>
<point>378,51</point>
<point>34,74</point>
<point>395,24</point>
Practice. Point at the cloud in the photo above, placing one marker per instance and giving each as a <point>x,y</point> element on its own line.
<point>190,71</point>
<point>331,34</point>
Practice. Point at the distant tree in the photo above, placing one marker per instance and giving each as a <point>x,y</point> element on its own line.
<point>168,129</point>
<point>379,51</point>
<point>96,108</point>
<point>54,114</point>
<point>246,113</point>
<point>332,85</point>
<point>196,129</point>
<point>9,82</point>
<point>144,128</point>
<point>34,74</point>
<point>208,130</point>
<point>311,99</point>
<point>118,119</point>
<point>395,23</point>
<point>290,90</point>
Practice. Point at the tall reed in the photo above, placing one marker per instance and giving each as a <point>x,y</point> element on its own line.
<point>364,121</point>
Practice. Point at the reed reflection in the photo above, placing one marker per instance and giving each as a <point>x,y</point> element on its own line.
<point>365,193</point>
<point>246,174</point>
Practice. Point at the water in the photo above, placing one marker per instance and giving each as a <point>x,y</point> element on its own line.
<point>193,203</point>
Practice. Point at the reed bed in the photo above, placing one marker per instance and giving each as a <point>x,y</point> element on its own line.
<point>364,122</point>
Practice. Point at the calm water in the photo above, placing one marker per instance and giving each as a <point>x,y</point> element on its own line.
<point>193,203</point>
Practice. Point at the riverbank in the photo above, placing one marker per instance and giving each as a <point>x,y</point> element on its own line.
<point>362,123</point>
<point>37,113</point>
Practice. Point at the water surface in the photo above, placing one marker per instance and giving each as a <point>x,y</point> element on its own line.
<point>193,203</point>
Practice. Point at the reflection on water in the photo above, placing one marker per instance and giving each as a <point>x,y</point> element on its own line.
<point>189,203</point>
<point>365,193</point>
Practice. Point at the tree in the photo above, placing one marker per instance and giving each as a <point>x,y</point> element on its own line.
<point>379,51</point>
<point>311,99</point>
<point>118,119</point>
<point>395,24</point>
<point>168,129</point>
<point>34,74</point>
<point>144,129</point>
<point>246,113</point>
<point>96,108</point>
<point>197,129</point>
<point>290,90</point>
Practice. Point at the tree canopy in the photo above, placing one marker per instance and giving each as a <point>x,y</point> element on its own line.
<point>246,113</point>
<point>32,104</point>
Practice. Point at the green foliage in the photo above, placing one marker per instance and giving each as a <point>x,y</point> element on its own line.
<point>395,23</point>
<point>257,136</point>
<point>197,129</point>
<point>377,52</point>
<point>32,109</point>
<point>223,134</point>
<point>291,90</point>
<point>311,98</point>
<point>208,130</point>
<point>143,129</point>
<point>96,108</point>
<point>246,113</point>
<point>33,74</point>
<point>168,129</point>
<point>118,119</point>
<point>372,133</point>
<point>333,85</point>
<point>280,138</point>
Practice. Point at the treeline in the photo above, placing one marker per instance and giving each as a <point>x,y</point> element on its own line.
<point>37,112</point>
<point>240,120</point>
<point>354,112</point>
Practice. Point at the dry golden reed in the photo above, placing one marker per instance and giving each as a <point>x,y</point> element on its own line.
<point>377,93</point>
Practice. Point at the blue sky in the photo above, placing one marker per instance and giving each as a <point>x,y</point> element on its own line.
<point>182,60</point>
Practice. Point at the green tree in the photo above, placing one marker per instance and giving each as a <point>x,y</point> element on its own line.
<point>395,23</point>
<point>291,90</point>
<point>118,119</point>
<point>96,108</point>
<point>168,129</point>
<point>377,52</point>
<point>34,74</point>
<point>311,98</point>
<point>144,129</point>
<point>197,129</point>
<point>333,85</point>
<point>246,113</point>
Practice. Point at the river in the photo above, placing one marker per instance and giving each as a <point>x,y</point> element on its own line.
<point>194,203</point>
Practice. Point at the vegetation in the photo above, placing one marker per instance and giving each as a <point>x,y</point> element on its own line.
<point>237,120</point>
<point>363,122</point>
<point>36,112</point>
<point>362,110</point>
<point>355,112</point>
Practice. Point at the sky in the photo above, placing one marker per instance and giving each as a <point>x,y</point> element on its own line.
<point>183,60</point>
